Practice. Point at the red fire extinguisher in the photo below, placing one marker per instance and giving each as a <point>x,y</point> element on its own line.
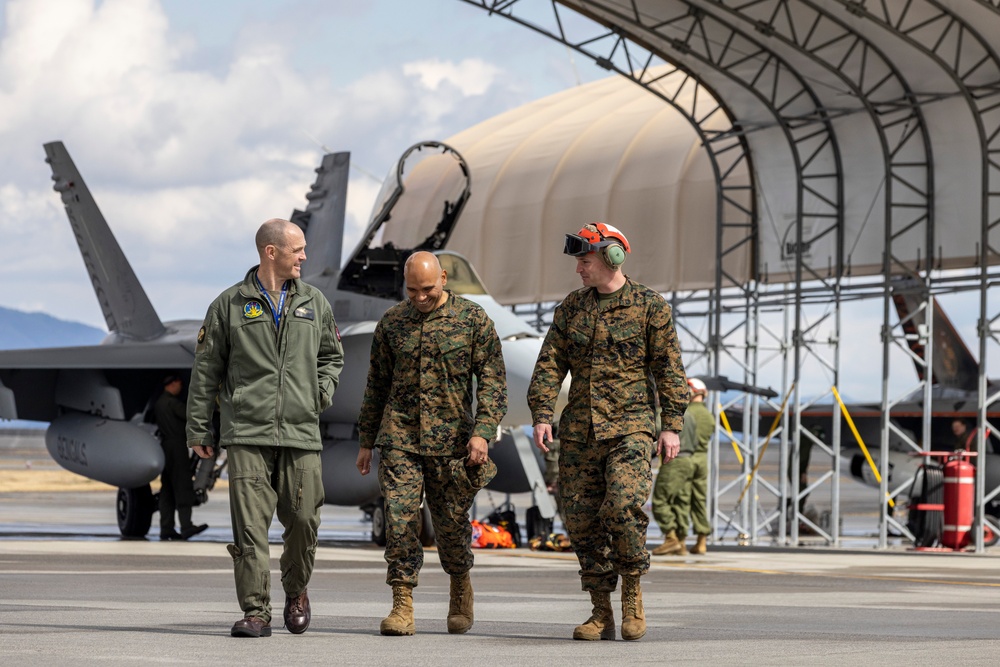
<point>959,501</point>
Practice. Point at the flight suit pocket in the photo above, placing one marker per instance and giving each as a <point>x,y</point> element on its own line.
<point>307,482</point>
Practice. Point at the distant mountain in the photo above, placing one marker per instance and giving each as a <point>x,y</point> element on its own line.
<point>19,329</point>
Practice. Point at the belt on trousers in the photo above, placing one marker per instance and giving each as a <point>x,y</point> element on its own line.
<point>683,454</point>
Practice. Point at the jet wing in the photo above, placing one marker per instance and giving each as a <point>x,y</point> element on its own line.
<point>105,357</point>
<point>108,380</point>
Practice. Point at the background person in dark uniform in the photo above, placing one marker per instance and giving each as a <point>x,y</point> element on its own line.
<point>176,480</point>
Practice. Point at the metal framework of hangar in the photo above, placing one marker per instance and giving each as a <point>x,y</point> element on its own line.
<point>852,144</point>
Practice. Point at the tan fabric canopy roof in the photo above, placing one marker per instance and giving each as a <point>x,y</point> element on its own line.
<point>608,151</point>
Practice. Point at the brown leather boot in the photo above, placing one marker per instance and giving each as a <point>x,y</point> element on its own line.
<point>400,620</point>
<point>298,613</point>
<point>601,624</point>
<point>460,608</point>
<point>671,546</point>
<point>633,615</point>
<point>701,546</point>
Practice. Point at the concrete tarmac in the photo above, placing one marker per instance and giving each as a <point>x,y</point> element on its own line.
<point>72,592</point>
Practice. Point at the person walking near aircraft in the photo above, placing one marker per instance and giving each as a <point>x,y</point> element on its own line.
<point>418,410</point>
<point>176,480</point>
<point>680,495</point>
<point>612,336</point>
<point>269,350</point>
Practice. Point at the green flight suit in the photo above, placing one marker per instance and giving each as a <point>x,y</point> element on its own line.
<point>272,382</point>
<point>612,349</point>
<point>426,371</point>
<point>680,495</point>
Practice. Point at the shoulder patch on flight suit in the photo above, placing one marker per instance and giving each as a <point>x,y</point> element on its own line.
<point>252,310</point>
<point>201,340</point>
<point>304,313</point>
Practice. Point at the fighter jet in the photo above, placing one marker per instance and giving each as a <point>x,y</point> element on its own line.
<point>954,395</point>
<point>95,398</point>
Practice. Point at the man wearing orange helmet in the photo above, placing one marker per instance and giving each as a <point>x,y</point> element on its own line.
<point>612,336</point>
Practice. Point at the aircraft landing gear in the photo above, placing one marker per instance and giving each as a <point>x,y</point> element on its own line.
<point>378,522</point>
<point>425,528</point>
<point>426,531</point>
<point>536,524</point>
<point>135,509</point>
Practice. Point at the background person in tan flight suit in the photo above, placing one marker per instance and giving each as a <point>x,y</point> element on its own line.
<point>612,336</point>
<point>417,409</point>
<point>272,339</point>
<point>680,495</point>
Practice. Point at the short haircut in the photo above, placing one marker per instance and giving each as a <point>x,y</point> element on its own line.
<point>272,232</point>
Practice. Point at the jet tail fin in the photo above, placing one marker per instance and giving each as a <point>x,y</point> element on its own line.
<point>323,220</point>
<point>953,364</point>
<point>127,309</point>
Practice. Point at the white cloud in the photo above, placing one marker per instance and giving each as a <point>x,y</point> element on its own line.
<point>470,77</point>
<point>186,157</point>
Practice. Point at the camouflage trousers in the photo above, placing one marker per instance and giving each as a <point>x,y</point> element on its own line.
<point>604,485</point>
<point>680,496</point>
<point>262,480</point>
<point>403,477</point>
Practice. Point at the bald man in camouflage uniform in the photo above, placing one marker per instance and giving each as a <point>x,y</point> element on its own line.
<point>612,336</point>
<point>417,410</point>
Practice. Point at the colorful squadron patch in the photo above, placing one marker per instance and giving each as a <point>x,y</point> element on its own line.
<point>252,310</point>
<point>201,335</point>
<point>336,331</point>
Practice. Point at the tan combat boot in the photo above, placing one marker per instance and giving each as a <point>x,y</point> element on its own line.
<point>460,608</point>
<point>701,546</point>
<point>633,615</point>
<point>671,546</point>
<point>601,624</point>
<point>400,619</point>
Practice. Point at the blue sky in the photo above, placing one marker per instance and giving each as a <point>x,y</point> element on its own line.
<point>192,122</point>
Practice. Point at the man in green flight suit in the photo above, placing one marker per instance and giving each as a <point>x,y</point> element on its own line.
<point>269,352</point>
<point>680,495</point>
<point>427,353</point>
<point>612,336</point>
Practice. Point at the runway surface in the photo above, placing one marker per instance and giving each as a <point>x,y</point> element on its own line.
<point>73,592</point>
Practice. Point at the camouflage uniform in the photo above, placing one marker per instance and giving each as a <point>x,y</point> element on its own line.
<point>614,352</point>
<point>417,410</point>
<point>680,495</point>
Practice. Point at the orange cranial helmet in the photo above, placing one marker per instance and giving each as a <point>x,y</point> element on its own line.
<point>599,237</point>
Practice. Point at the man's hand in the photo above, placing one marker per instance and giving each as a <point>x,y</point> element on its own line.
<point>477,451</point>
<point>364,461</point>
<point>668,445</point>
<point>543,432</point>
<point>203,451</point>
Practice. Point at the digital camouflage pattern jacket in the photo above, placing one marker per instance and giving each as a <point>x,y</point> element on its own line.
<point>420,382</point>
<point>619,356</point>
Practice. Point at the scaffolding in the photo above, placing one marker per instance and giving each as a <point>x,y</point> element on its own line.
<point>793,83</point>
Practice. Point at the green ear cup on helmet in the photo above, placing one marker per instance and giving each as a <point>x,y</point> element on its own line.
<point>614,255</point>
